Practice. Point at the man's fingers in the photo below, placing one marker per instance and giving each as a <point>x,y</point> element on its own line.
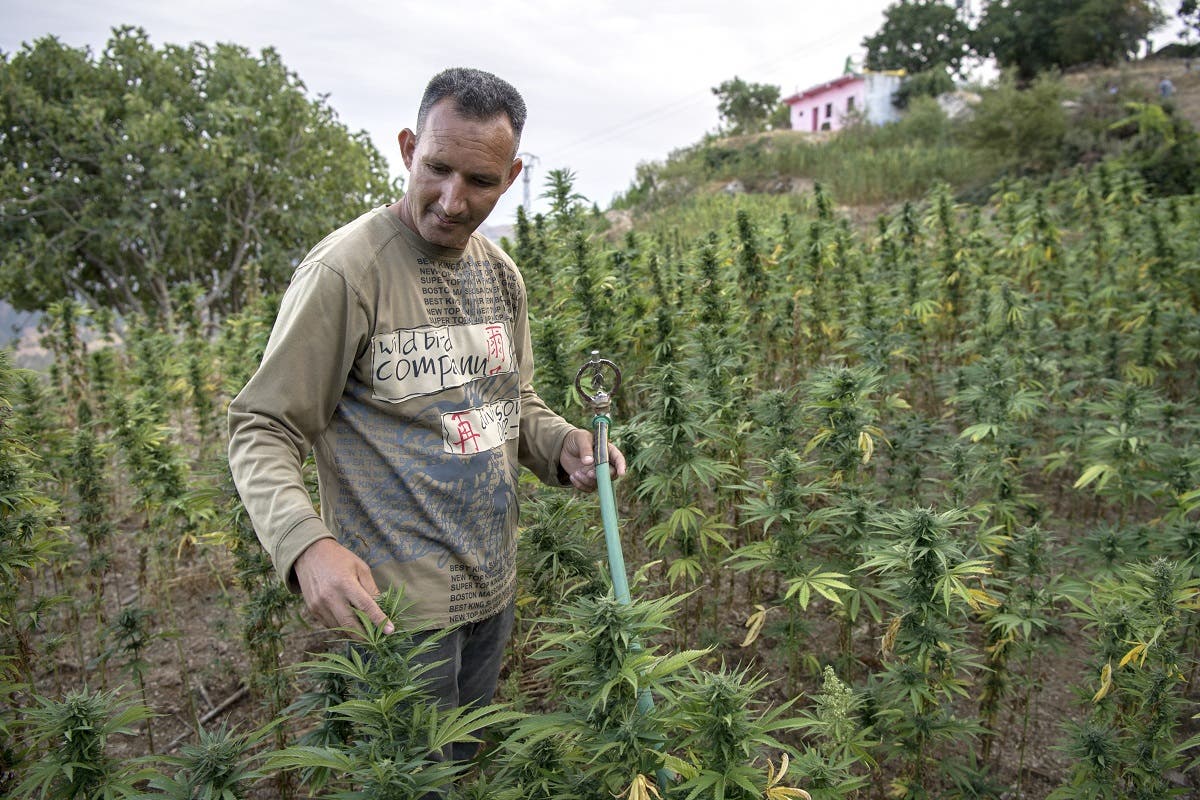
<point>333,611</point>
<point>347,620</point>
<point>327,620</point>
<point>335,582</point>
<point>367,580</point>
<point>334,606</point>
<point>617,459</point>
<point>584,480</point>
<point>373,611</point>
<point>365,603</point>
<point>322,606</point>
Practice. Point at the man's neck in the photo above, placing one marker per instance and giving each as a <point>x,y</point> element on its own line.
<point>403,212</point>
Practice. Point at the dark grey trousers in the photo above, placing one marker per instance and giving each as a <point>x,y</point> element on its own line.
<point>472,654</point>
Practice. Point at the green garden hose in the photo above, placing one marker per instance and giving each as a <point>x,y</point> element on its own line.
<point>604,378</point>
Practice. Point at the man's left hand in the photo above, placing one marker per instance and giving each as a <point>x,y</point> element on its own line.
<point>579,463</point>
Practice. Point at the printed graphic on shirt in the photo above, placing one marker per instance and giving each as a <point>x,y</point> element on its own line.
<point>466,291</point>
<point>403,500</point>
<point>411,362</point>
<point>477,593</point>
<point>474,430</point>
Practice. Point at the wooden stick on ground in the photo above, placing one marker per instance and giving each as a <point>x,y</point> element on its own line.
<point>210,716</point>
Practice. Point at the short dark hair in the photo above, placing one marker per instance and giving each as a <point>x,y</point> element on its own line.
<point>477,94</point>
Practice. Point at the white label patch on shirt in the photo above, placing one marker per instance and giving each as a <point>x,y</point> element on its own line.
<point>474,430</point>
<point>425,360</point>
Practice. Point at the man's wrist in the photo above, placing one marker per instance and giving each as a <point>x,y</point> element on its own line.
<point>314,537</point>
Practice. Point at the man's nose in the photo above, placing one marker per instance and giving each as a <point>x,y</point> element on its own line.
<point>454,197</point>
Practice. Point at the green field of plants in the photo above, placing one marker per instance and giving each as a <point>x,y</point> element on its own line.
<point>913,511</point>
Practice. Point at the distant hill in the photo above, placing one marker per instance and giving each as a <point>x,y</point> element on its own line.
<point>18,333</point>
<point>495,232</point>
<point>12,320</point>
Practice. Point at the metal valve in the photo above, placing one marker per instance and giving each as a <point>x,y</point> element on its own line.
<point>603,378</point>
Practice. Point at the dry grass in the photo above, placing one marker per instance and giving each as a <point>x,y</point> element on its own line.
<point>1139,79</point>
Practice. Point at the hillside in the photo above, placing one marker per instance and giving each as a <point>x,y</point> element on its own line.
<point>1044,131</point>
<point>1138,80</point>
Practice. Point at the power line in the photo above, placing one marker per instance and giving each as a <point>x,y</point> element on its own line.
<point>653,115</point>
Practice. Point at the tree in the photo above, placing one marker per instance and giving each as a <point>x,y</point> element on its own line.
<point>128,176</point>
<point>749,107</point>
<point>918,36</point>
<point>1189,15</point>
<point>1107,31</point>
<point>1036,35</point>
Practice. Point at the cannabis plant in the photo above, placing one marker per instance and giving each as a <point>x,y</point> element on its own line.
<point>599,656</point>
<point>929,661</point>
<point>1132,739</point>
<point>72,737</point>
<point>395,741</point>
<point>838,745</point>
<point>220,766</point>
<point>30,538</point>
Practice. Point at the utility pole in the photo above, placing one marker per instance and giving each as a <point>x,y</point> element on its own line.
<point>528,159</point>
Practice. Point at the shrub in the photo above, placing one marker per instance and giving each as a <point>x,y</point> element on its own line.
<point>1022,129</point>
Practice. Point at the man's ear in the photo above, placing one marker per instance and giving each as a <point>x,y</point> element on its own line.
<point>514,172</point>
<point>408,145</point>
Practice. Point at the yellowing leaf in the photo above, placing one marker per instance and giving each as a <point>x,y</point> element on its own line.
<point>1106,684</point>
<point>1138,651</point>
<point>889,638</point>
<point>642,788</point>
<point>777,792</point>
<point>1101,471</point>
<point>755,625</point>
<point>867,445</point>
<point>980,431</point>
<point>977,598</point>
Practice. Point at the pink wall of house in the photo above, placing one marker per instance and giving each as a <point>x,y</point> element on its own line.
<point>826,107</point>
<point>829,105</point>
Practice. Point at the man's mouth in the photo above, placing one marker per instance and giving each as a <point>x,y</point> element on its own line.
<point>444,220</point>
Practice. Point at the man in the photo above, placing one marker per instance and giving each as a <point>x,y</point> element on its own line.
<point>401,356</point>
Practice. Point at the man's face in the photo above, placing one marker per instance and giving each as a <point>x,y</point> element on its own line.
<point>458,168</point>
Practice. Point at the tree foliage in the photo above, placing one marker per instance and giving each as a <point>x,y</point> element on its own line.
<point>1031,36</point>
<point>918,36</point>
<point>129,175</point>
<point>1022,128</point>
<point>1189,15</point>
<point>749,107</point>
<point>1036,35</point>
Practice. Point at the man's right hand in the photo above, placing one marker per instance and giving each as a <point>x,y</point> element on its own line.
<point>334,582</point>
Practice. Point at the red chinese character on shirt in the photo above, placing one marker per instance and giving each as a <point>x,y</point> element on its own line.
<point>496,349</point>
<point>466,433</point>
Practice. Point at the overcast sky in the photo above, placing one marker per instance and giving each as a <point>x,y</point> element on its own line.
<point>609,83</point>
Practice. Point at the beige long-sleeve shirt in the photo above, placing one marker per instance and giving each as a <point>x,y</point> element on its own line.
<point>407,369</point>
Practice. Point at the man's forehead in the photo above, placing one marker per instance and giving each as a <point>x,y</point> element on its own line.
<point>450,141</point>
<point>463,137</point>
<point>447,113</point>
